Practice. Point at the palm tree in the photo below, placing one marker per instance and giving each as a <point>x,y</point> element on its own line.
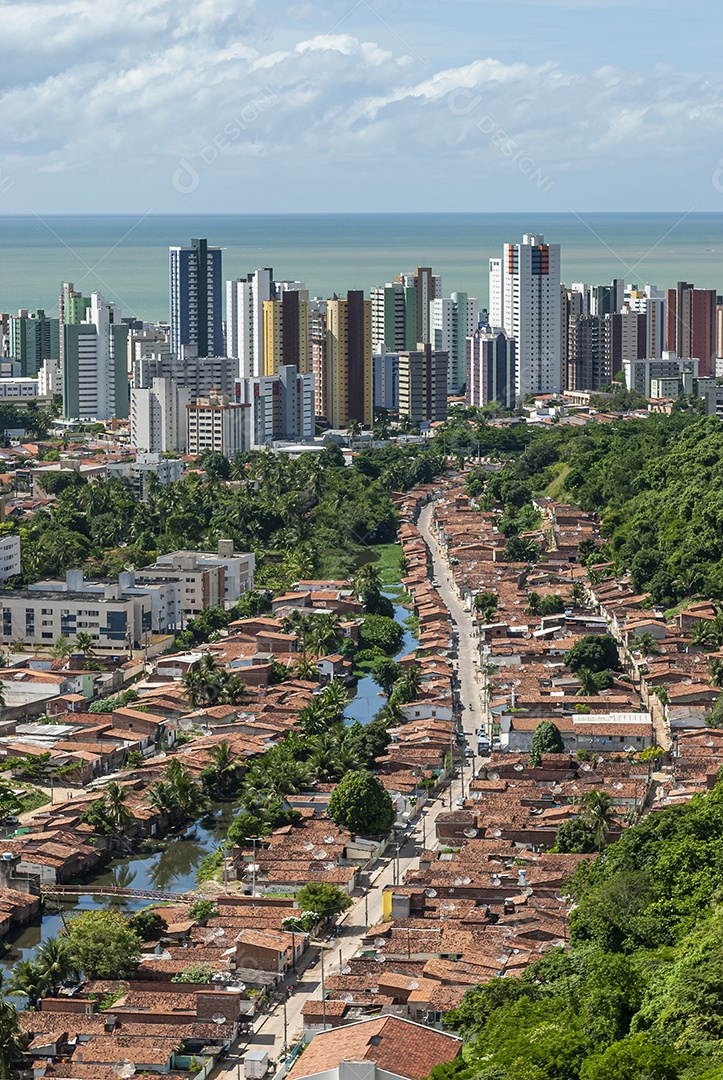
<point>335,699</point>
<point>306,669</point>
<point>232,689</point>
<point>588,683</point>
<point>84,642</point>
<point>647,644</point>
<point>353,430</point>
<point>715,670</point>
<point>703,632</point>
<point>56,962</point>
<point>597,807</point>
<point>11,1049</point>
<point>367,577</point>
<point>325,634</point>
<point>28,980</point>
<point>62,648</point>
<point>119,815</point>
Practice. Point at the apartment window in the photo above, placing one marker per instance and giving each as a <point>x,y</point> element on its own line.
<point>48,636</point>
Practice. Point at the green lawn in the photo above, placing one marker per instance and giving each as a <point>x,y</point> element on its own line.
<point>387,560</point>
<point>556,487</point>
<point>34,799</point>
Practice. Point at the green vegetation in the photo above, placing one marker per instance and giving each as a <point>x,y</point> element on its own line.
<point>177,795</point>
<point>311,515</point>
<point>196,973</point>
<point>202,911</point>
<point>103,945</point>
<point>546,739</point>
<point>149,925</point>
<point>655,484</point>
<point>324,899</point>
<point>211,866</point>
<point>388,562</point>
<point>362,805</point>
<point>640,994</point>
<point>109,705</point>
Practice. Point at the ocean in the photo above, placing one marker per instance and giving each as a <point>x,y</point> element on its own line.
<point>126,257</point>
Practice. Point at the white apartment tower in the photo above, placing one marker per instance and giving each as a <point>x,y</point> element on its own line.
<point>158,416</point>
<point>244,320</point>
<point>525,301</point>
<point>451,321</point>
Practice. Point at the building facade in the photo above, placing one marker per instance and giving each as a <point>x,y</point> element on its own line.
<point>196,298</point>
<point>451,321</point>
<point>282,405</point>
<point>244,324</point>
<point>394,316</point>
<point>423,385</point>
<point>95,377</point>
<point>491,374</point>
<point>525,302</point>
<point>34,339</point>
<point>217,423</point>
<point>159,417</point>
<point>690,317</point>
<point>348,381</point>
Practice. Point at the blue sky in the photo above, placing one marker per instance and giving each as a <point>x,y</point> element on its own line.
<point>237,105</point>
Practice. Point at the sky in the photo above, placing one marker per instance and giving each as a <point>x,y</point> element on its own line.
<point>226,106</point>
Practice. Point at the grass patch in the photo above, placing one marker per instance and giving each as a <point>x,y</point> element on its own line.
<point>210,867</point>
<point>556,487</point>
<point>388,561</point>
<point>34,799</point>
<point>412,625</point>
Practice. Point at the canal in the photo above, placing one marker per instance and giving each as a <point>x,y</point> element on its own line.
<point>368,699</point>
<point>172,863</point>
<point>170,867</point>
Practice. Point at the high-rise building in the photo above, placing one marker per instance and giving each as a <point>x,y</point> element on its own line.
<point>573,301</point>
<point>690,324</point>
<point>451,322</point>
<point>282,405</point>
<point>94,373</point>
<point>428,286</point>
<point>286,336</point>
<point>244,320</point>
<point>348,382</point>
<point>628,339</point>
<point>423,384</point>
<point>650,302</point>
<point>201,374</point>
<point>607,299</point>
<point>317,334</point>
<point>525,291</point>
<point>490,368</point>
<point>386,379</point>
<point>158,416</point>
<point>196,298</point>
<point>590,352</point>
<point>394,316</point>
<point>34,339</point>
<point>217,423</point>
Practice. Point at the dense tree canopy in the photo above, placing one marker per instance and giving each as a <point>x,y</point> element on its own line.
<point>640,994</point>
<point>361,804</point>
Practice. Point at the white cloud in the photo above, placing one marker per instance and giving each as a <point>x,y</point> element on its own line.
<point>133,86</point>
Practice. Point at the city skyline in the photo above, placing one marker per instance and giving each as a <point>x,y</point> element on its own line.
<point>536,105</point>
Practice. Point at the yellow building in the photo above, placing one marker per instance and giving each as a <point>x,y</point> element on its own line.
<point>348,382</point>
<point>286,332</point>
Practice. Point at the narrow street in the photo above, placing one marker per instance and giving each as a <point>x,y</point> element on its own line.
<point>268,1029</point>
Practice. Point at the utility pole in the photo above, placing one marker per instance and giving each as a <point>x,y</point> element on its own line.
<point>286,1044</point>
<point>323,992</point>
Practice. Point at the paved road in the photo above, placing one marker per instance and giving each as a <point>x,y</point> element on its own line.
<point>268,1030</point>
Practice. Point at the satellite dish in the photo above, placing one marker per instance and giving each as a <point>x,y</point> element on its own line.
<point>459,881</point>
<point>519,767</point>
<point>470,833</point>
<point>124,1069</point>
<point>476,796</point>
<point>413,985</point>
<point>346,998</point>
<point>466,881</point>
<point>379,942</point>
<point>218,1019</point>
<point>308,846</point>
<point>494,880</point>
<point>219,932</point>
<point>585,767</point>
<point>493,776</point>
<point>328,839</point>
<point>319,854</point>
<point>446,906</point>
<point>380,959</point>
<point>431,893</point>
<point>527,891</point>
<point>497,833</point>
<point>329,865</point>
<point>346,969</point>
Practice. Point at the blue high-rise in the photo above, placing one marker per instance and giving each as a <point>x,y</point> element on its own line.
<point>196,298</point>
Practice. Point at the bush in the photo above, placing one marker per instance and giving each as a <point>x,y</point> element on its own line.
<point>362,805</point>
